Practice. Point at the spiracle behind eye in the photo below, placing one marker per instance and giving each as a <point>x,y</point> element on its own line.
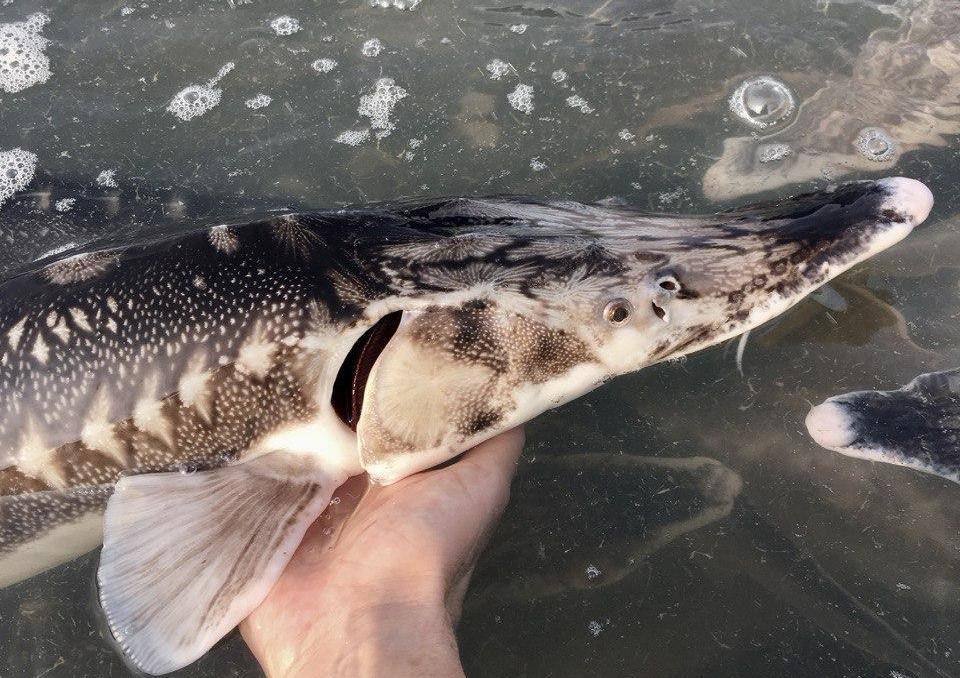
<point>618,311</point>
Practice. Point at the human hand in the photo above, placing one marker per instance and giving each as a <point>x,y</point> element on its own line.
<point>378,582</point>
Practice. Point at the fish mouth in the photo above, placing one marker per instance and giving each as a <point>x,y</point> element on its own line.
<point>351,381</point>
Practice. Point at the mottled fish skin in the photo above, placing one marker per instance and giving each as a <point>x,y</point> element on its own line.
<point>917,426</point>
<point>222,344</point>
<point>905,83</point>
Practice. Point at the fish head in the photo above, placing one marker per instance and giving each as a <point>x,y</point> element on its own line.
<point>548,316</point>
<point>917,426</point>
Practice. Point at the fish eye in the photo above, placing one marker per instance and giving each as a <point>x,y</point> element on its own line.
<point>669,283</point>
<point>617,311</point>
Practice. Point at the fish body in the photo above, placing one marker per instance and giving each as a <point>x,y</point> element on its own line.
<point>207,392</point>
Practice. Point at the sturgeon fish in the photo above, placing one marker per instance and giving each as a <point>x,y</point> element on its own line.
<point>917,426</point>
<point>201,395</point>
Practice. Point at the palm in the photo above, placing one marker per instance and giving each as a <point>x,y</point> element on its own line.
<point>410,544</point>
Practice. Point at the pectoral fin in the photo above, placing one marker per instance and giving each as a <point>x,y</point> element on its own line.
<point>187,556</point>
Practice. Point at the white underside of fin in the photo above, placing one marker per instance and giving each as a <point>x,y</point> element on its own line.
<point>187,556</point>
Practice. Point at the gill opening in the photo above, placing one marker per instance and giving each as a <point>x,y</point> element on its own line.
<point>351,382</point>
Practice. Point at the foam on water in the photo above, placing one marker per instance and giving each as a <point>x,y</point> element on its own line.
<point>875,144</point>
<point>379,104</point>
<point>559,75</point>
<point>519,29</point>
<point>22,61</point>
<point>323,65</point>
<point>521,99</point>
<point>107,178</point>
<point>259,101</point>
<point>371,47</point>
<point>396,4</point>
<point>16,171</point>
<point>537,165</point>
<point>195,100</point>
<point>353,137</point>
<point>285,25</point>
<point>64,204</point>
<point>577,101</point>
<point>497,68</point>
<point>773,152</point>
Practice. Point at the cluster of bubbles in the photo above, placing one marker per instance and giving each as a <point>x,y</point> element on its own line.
<point>371,48</point>
<point>259,101</point>
<point>324,65</point>
<point>396,4</point>
<point>773,152</point>
<point>195,100</point>
<point>577,101</point>
<point>285,25</point>
<point>379,104</point>
<point>64,204</point>
<point>521,99</point>
<point>762,101</point>
<point>107,178</point>
<point>558,75</point>
<point>353,137</point>
<point>16,171</point>
<point>519,29</point>
<point>497,68</point>
<point>875,144</point>
<point>22,61</point>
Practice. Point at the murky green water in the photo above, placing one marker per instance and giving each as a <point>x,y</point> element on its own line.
<point>776,558</point>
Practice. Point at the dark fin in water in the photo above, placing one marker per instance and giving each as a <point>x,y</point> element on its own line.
<point>187,556</point>
<point>917,426</point>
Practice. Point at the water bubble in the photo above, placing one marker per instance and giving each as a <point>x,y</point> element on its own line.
<point>577,101</point>
<point>497,68</point>
<point>285,25</point>
<point>323,65</point>
<point>397,4</point>
<point>18,167</point>
<point>22,61</point>
<point>371,48</point>
<point>875,144</point>
<point>107,178</point>
<point>380,103</point>
<point>521,99</point>
<point>259,101</point>
<point>537,165</point>
<point>353,137</point>
<point>195,100</point>
<point>762,101</point>
<point>558,75</point>
<point>773,152</point>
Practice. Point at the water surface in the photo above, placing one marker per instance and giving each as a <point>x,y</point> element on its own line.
<point>775,558</point>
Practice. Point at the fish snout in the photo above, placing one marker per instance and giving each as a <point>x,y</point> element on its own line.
<point>909,199</point>
<point>829,424</point>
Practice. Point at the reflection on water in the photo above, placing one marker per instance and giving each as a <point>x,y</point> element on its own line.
<point>742,547</point>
